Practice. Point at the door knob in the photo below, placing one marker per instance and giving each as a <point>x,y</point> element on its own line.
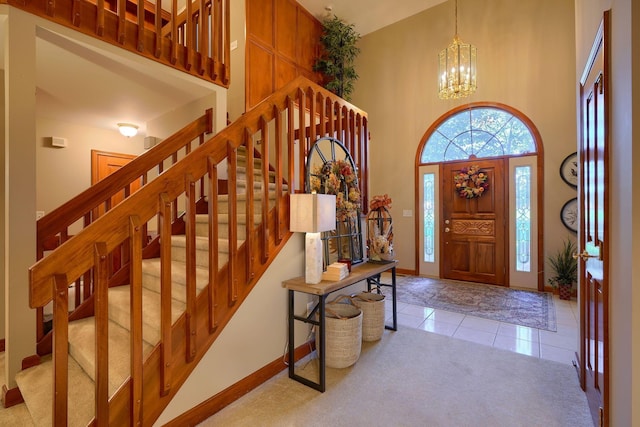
<point>446,229</point>
<point>584,255</point>
<point>446,221</point>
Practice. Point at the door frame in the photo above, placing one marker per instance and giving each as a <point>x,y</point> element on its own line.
<point>538,166</point>
<point>598,401</point>
<point>499,215</point>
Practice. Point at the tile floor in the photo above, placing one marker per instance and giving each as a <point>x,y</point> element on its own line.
<point>559,346</point>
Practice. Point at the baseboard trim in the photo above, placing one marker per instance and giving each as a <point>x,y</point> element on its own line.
<point>215,403</point>
<point>11,397</point>
<point>406,271</point>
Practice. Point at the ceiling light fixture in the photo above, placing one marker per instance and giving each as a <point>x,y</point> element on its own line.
<point>457,68</point>
<point>128,129</point>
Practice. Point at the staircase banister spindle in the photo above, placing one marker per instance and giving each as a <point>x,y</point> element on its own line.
<point>190,250</point>
<point>264,244</point>
<point>232,223</point>
<point>136,233</point>
<point>101,283</point>
<point>60,354</point>
<point>164,213</point>
<point>212,289</point>
<point>279,165</point>
<point>249,201</point>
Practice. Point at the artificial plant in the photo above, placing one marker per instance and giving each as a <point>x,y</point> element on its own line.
<point>340,51</point>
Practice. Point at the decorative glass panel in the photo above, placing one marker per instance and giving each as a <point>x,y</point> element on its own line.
<point>480,132</point>
<point>523,218</point>
<point>429,210</point>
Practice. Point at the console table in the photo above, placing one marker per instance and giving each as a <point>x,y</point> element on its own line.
<point>369,271</point>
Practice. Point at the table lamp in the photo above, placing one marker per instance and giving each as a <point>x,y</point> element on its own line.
<point>312,214</point>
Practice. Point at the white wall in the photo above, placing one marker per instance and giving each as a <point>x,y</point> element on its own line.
<point>523,49</point>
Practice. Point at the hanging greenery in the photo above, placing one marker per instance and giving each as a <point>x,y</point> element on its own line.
<point>340,51</point>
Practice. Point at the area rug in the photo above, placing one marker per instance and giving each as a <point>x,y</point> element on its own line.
<point>520,307</point>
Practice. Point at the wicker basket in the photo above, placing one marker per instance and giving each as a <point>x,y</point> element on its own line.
<point>372,306</point>
<point>343,326</point>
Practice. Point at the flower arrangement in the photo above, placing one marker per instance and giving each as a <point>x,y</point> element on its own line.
<point>380,202</point>
<point>479,179</point>
<point>337,177</point>
<point>381,246</point>
<point>380,229</point>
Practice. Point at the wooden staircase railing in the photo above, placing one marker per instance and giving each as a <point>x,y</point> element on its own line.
<point>195,40</point>
<point>301,111</point>
<point>54,228</point>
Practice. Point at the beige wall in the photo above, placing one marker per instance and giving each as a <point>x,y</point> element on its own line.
<point>65,172</point>
<point>524,60</point>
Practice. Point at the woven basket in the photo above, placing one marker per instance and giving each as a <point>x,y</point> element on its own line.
<point>343,326</point>
<point>372,306</point>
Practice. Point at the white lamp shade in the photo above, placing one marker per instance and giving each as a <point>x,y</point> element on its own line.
<point>312,213</point>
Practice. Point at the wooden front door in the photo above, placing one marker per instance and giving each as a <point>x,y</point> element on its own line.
<point>594,207</point>
<point>474,231</point>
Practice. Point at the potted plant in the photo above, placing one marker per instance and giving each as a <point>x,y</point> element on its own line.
<point>336,63</point>
<point>565,269</point>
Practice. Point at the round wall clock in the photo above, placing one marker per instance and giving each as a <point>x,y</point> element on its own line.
<point>569,215</point>
<point>569,170</point>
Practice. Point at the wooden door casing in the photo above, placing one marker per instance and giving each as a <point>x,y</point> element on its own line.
<point>104,164</point>
<point>594,208</point>
<point>474,231</point>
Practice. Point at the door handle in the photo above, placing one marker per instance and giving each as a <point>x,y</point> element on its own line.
<point>584,255</point>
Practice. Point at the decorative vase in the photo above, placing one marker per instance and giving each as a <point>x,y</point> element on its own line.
<point>387,256</point>
<point>564,291</point>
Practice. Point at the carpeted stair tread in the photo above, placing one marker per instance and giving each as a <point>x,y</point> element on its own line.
<point>151,278</point>
<point>36,386</point>
<point>179,251</point>
<point>119,311</point>
<point>82,348</point>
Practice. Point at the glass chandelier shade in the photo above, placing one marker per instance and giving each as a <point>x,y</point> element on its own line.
<point>457,68</point>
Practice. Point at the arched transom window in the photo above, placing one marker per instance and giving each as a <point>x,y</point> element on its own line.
<point>478,132</point>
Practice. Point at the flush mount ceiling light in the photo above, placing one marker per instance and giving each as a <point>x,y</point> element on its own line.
<point>128,129</point>
<point>457,68</point>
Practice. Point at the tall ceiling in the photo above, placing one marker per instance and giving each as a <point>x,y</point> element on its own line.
<point>368,15</point>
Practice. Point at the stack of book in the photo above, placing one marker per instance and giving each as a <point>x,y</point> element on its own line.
<point>336,271</point>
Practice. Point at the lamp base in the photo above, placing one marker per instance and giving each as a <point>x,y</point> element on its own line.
<point>313,258</point>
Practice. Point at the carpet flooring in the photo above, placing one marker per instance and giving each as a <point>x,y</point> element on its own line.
<point>520,307</point>
<point>417,378</point>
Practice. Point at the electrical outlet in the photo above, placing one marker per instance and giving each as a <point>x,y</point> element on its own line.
<point>39,214</point>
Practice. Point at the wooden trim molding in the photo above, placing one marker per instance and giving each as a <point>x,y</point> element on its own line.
<point>216,403</point>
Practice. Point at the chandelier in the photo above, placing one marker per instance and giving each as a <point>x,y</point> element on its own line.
<point>457,68</point>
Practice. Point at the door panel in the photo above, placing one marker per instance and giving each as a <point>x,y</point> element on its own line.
<point>474,231</point>
<point>593,201</point>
